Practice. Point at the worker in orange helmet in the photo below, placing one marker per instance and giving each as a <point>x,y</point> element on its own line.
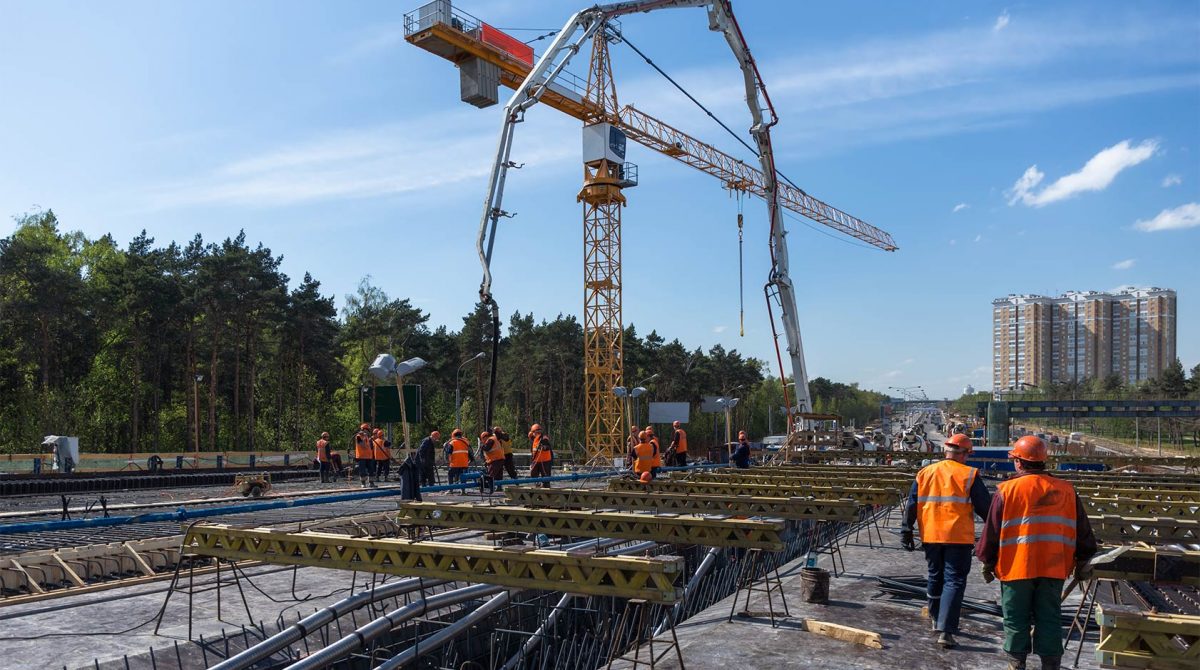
<point>642,462</point>
<point>364,455</point>
<point>941,501</point>
<point>383,455</point>
<point>541,452</point>
<point>493,458</point>
<point>1036,534</point>
<point>658,450</point>
<point>323,461</point>
<point>677,449</point>
<point>459,455</point>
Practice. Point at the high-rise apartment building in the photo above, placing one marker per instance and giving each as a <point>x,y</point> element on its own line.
<point>1082,335</point>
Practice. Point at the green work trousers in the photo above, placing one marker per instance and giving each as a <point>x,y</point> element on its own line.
<point>1032,603</point>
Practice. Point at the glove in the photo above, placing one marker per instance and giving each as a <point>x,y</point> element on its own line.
<point>989,573</point>
<point>1083,571</point>
<point>906,540</point>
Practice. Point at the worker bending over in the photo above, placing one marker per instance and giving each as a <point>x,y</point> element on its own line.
<point>460,455</point>
<point>942,501</point>
<point>543,454</point>
<point>1036,534</point>
<point>677,450</point>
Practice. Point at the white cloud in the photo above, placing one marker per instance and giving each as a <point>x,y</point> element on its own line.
<point>1001,22</point>
<point>1095,175</point>
<point>720,329</point>
<point>1171,180</point>
<point>1183,216</point>
<point>959,207</point>
<point>1125,264</point>
<point>979,237</point>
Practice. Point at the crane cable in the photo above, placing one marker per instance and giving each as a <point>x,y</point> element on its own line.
<point>741,274</point>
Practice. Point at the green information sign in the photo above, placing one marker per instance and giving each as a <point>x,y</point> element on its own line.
<point>386,406</point>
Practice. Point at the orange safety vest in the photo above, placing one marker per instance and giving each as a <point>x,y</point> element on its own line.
<point>382,451</point>
<point>541,454</point>
<point>643,457</point>
<point>460,453</point>
<point>657,452</point>
<point>1037,529</point>
<point>680,441</point>
<point>944,510</point>
<point>362,446</point>
<point>492,451</point>
<point>323,451</point>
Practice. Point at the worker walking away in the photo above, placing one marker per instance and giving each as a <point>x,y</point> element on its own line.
<point>493,459</point>
<point>741,451</point>
<point>941,502</point>
<point>460,455</point>
<point>427,458</point>
<point>505,440</point>
<point>677,450</point>
<point>1036,534</point>
<point>323,457</point>
<point>543,454</point>
<point>383,455</point>
<point>643,458</point>
<point>364,455</point>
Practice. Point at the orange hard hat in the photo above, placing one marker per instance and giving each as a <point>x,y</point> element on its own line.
<point>643,435</point>
<point>484,435</point>
<point>365,426</point>
<point>650,429</point>
<point>379,431</point>
<point>324,436</point>
<point>957,442</point>
<point>646,477</point>
<point>437,435</point>
<point>457,432</point>
<point>1029,448</point>
<point>535,428</point>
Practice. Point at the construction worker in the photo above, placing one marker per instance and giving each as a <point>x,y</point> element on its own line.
<point>364,455</point>
<point>677,450</point>
<point>543,454</point>
<point>741,451</point>
<point>658,452</point>
<point>323,457</point>
<point>631,443</point>
<point>460,455</point>
<point>1036,534</point>
<point>493,458</point>
<point>510,462</point>
<point>643,457</point>
<point>383,455</point>
<point>941,501</point>
<point>427,458</point>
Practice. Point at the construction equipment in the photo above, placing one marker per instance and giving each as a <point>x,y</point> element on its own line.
<point>252,485</point>
<point>488,58</point>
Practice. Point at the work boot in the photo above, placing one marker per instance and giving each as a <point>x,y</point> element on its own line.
<point>1016,661</point>
<point>947,641</point>
<point>1051,662</point>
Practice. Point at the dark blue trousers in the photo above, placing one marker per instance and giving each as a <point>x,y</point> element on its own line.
<point>949,565</point>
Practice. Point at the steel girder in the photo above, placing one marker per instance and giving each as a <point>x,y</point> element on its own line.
<point>1139,507</point>
<point>652,578</point>
<point>784,508</point>
<point>1113,529</point>
<point>864,495</point>
<point>1149,564</point>
<point>1134,638</point>
<point>787,479</point>
<point>1166,495</point>
<point>667,529</point>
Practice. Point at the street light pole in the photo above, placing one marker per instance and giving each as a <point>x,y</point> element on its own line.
<point>457,395</point>
<point>196,410</point>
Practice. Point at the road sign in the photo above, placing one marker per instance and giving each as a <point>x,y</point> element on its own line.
<point>387,406</point>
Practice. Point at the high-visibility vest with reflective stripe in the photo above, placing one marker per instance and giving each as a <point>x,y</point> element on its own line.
<point>680,441</point>
<point>363,450</point>
<point>1037,529</point>
<point>323,451</point>
<point>460,452</point>
<point>541,452</point>
<point>657,452</point>
<point>944,510</point>
<point>643,457</point>
<point>382,451</point>
<point>492,451</point>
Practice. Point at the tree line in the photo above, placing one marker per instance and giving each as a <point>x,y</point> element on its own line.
<point>210,346</point>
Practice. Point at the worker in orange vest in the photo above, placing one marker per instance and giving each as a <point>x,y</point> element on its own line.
<point>493,458</point>
<point>505,440</point>
<point>658,451</point>
<point>383,455</point>
<point>542,453</point>
<point>364,455</point>
<point>323,461</point>
<point>1036,534</point>
<point>460,455</point>
<point>677,450</point>
<point>942,500</point>
<point>643,457</point>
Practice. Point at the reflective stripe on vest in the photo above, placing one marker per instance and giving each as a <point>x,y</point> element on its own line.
<point>460,453</point>
<point>644,454</point>
<point>944,510</point>
<point>1037,530</point>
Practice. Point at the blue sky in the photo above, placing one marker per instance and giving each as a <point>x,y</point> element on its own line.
<point>1009,148</point>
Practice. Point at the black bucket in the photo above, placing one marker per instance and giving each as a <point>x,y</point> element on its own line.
<point>814,585</point>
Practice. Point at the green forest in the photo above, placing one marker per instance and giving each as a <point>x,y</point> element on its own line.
<point>173,347</point>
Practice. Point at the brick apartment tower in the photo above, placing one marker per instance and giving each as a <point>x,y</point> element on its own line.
<point>1082,335</point>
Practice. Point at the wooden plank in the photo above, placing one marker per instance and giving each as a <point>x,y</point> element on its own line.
<point>845,633</point>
